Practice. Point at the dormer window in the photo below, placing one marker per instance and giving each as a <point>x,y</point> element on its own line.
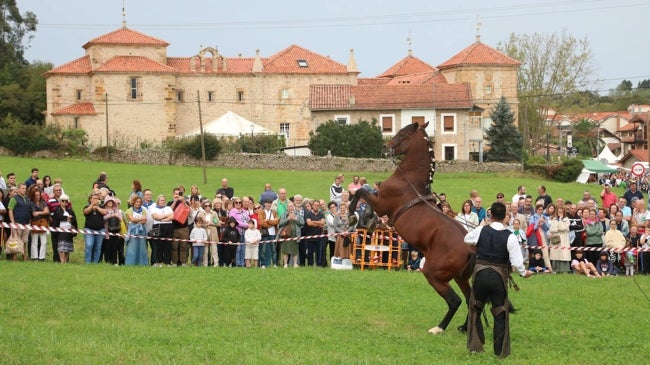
<point>303,63</point>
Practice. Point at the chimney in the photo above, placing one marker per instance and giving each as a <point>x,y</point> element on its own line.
<point>257,64</point>
<point>352,63</point>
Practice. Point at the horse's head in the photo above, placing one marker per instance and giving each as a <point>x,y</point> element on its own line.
<point>400,144</point>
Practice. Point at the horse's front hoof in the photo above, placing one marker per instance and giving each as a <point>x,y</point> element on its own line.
<point>436,330</point>
<point>462,329</point>
<point>352,220</point>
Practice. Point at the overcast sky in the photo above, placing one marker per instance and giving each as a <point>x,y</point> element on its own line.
<point>377,30</point>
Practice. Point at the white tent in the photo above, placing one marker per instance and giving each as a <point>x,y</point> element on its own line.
<point>606,154</point>
<point>230,124</point>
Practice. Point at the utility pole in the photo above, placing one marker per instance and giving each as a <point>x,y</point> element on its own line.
<point>108,154</point>
<point>205,175</point>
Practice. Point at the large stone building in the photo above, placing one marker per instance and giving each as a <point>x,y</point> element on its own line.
<point>127,89</point>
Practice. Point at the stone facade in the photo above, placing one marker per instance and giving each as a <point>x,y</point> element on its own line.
<point>127,89</point>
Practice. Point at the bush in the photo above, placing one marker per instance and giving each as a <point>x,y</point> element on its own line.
<point>359,140</point>
<point>22,138</point>
<point>569,171</point>
<point>191,146</point>
<point>260,143</point>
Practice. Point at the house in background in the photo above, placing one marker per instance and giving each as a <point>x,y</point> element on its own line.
<point>127,89</point>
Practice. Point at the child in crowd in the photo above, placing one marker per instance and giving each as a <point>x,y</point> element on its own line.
<point>536,264</point>
<point>252,237</point>
<point>414,261</point>
<point>604,266</point>
<point>232,237</point>
<point>630,261</point>
<point>198,236</point>
<point>581,265</point>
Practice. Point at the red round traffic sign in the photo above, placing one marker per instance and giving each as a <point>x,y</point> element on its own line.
<point>638,169</point>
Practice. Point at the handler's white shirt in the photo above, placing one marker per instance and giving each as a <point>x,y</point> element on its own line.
<point>514,249</point>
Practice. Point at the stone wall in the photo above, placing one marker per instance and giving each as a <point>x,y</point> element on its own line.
<point>297,163</point>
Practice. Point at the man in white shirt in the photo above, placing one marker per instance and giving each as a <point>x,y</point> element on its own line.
<point>521,193</point>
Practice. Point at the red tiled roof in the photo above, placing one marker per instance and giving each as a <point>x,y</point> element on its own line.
<point>126,36</point>
<point>407,66</point>
<point>78,66</point>
<point>425,78</point>
<point>134,64</point>
<point>640,155</point>
<point>639,118</point>
<point>233,65</point>
<point>372,97</point>
<point>286,61</point>
<point>373,81</point>
<point>76,109</point>
<point>630,127</point>
<point>479,54</point>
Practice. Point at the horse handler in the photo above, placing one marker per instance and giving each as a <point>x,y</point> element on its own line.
<point>497,249</point>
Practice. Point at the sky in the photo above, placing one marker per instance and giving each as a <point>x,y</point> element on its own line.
<point>380,32</point>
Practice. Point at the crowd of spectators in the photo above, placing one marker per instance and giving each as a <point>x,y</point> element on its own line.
<point>223,229</point>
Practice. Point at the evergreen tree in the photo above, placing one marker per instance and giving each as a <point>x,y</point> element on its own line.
<point>503,137</point>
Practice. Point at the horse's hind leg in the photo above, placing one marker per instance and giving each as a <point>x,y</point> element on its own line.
<point>453,302</point>
<point>463,283</point>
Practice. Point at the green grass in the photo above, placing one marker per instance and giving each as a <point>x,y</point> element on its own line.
<point>83,314</point>
<point>104,314</point>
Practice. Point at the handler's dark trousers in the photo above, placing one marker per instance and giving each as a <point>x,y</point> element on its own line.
<point>488,284</point>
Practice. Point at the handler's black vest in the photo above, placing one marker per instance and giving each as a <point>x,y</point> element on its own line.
<point>492,246</point>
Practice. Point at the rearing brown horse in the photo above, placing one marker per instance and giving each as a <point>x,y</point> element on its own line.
<point>406,198</point>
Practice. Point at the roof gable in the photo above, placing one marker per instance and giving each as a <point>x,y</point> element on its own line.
<point>426,78</point>
<point>407,66</point>
<point>287,61</point>
<point>134,64</point>
<point>79,66</point>
<point>126,36</point>
<point>479,54</point>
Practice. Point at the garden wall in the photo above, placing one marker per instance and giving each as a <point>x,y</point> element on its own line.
<point>298,163</point>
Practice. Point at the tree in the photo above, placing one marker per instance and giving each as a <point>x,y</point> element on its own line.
<point>625,85</point>
<point>645,84</point>
<point>21,94</point>
<point>503,137</point>
<point>552,66</point>
<point>585,136</point>
<point>14,28</point>
<point>355,140</point>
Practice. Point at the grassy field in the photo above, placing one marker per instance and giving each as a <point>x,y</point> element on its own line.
<point>104,314</point>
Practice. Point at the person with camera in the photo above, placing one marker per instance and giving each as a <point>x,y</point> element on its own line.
<point>94,213</point>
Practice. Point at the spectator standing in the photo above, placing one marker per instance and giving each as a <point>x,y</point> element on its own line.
<point>136,244</point>
<point>94,220</point>
<point>521,193</point>
<point>543,196</point>
<point>225,189</point>
<point>314,224</point>
<point>269,220</point>
<point>632,193</point>
<point>65,218</point>
<point>198,236</point>
<point>40,217</point>
<point>20,212</point>
<point>268,194</point>
<point>607,196</point>
<point>336,189</point>
<point>354,185</point>
<point>162,216</point>
<point>560,255</point>
<point>32,179</point>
